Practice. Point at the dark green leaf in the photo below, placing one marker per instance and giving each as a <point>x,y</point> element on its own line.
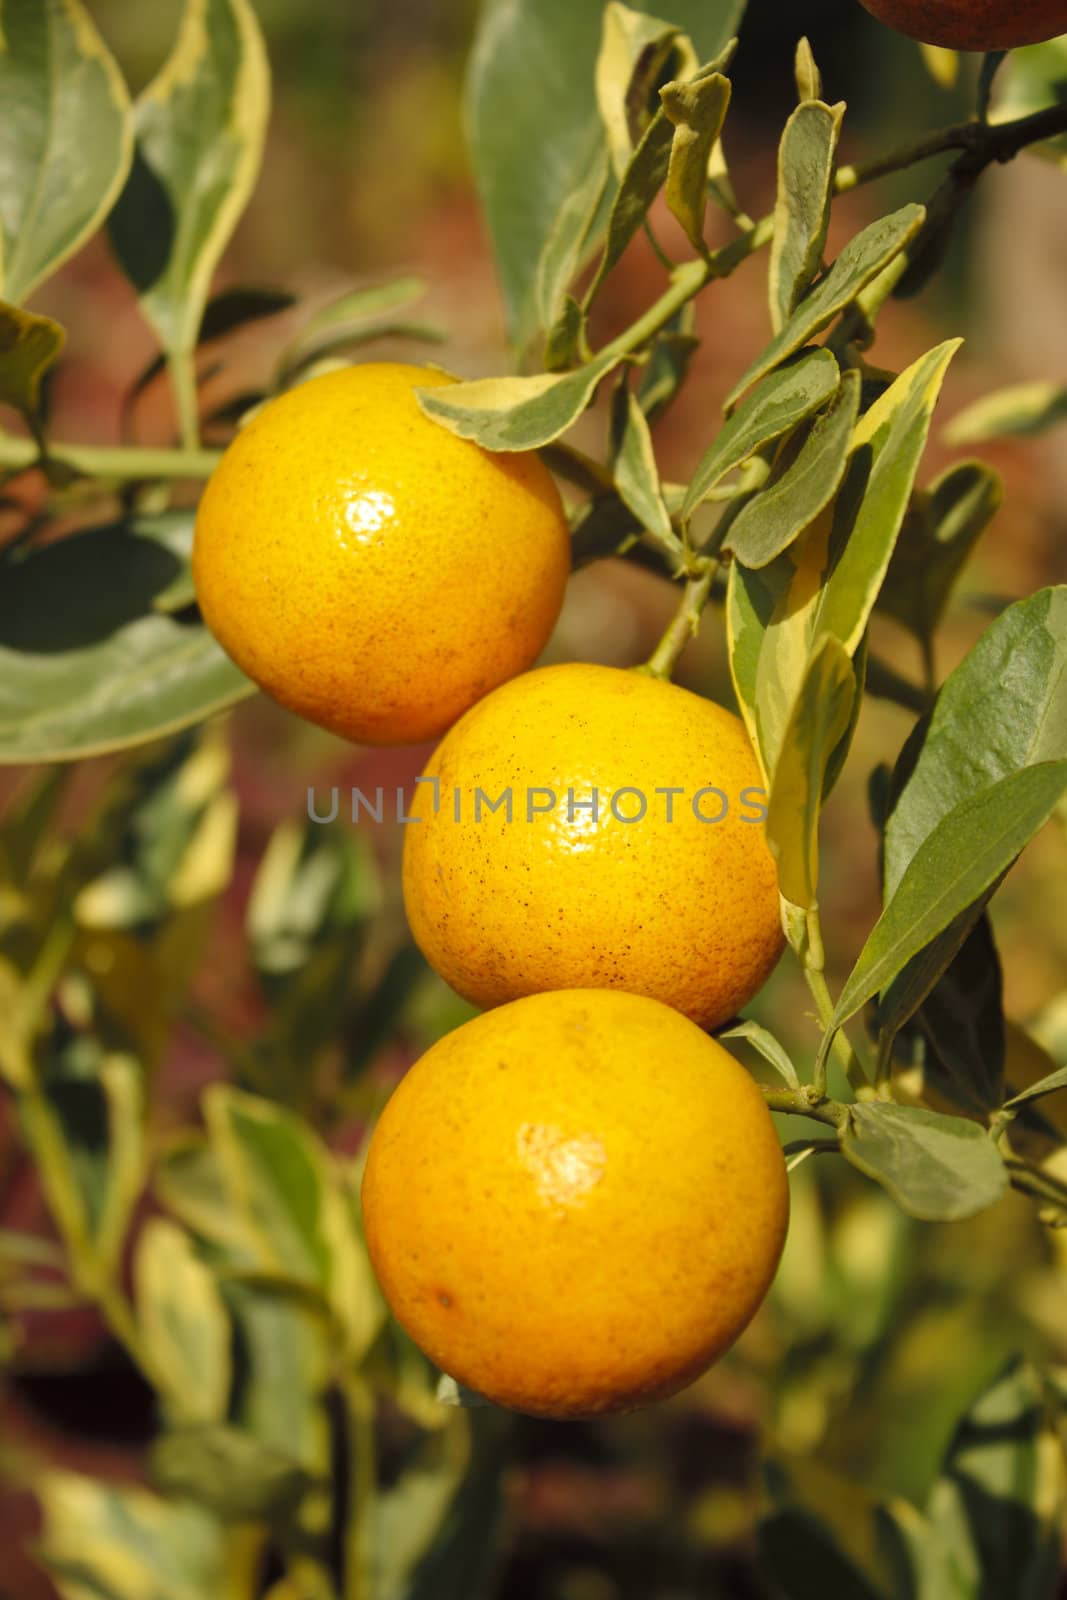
<point>962,1019</point>
<point>937,1168</point>
<point>968,849</point>
<point>1003,709</point>
<point>807,157</point>
<point>803,483</point>
<point>200,129</point>
<point>868,254</point>
<point>779,404</point>
<point>86,664</point>
<point>66,137</point>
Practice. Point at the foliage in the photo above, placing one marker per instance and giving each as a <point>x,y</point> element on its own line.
<point>243,1291</point>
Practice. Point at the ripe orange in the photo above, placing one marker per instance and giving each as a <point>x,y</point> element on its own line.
<point>974,24</point>
<point>370,570</point>
<point>574,1204</point>
<point>676,905</point>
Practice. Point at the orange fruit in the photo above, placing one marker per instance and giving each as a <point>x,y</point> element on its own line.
<point>367,568</point>
<point>974,24</point>
<point>680,903</point>
<point>575,1203</point>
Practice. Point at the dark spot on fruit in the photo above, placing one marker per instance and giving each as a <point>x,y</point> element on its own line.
<point>444,1299</point>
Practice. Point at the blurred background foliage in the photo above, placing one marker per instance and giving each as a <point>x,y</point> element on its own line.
<point>232,941</point>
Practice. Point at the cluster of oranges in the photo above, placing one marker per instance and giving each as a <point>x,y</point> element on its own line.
<point>576,1201</point>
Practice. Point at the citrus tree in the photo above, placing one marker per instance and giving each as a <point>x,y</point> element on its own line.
<point>574,1203</point>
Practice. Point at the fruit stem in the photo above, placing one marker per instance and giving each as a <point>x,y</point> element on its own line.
<point>685,624</point>
<point>125,464</point>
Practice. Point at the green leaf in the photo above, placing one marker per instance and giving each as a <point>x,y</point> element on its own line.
<point>1003,709</point>
<point>829,579</point>
<point>238,1478</point>
<point>286,1356</point>
<point>820,719</point>
<point>567,245</point>
<point>183,1323</point>
<point>516,413</point>
<point>789,395</point>
<point>888,446</point>
<point>936,1168</point>
<point>940,530</point>
<point>533,122</point>
<point>66,137</point>
<point>108,1542</point>
<point>638,188</point>
<point>802,484</point>
<point>87,1128</point>
<point>86,664</point>
<point>29,346</point>
<point>200,129</point>
<point>969,848</point>
<point>697,110</point>
<point>807,157</point>
<point>189,1182</point>
<point>1021,412</point>
<point>299,1222</point>
<point>176,843</point>
<point>636,474</point>
<point>868,254</point>
<point>668,363</point>
<point>434,1537</point>
<point>275,1175</point>
<point>767,1045</point>
<point>996,1512</point>
<point>636,52</point>
<point>1049,1085</point>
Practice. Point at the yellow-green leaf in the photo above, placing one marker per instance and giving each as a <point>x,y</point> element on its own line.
<point>183,1323</point>
<point>29,346</point>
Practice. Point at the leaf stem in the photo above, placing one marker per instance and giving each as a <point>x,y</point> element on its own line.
<point>124,464</point>
<point>842,1046</point>
<point>181,365</point>
<point>685,624</point>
